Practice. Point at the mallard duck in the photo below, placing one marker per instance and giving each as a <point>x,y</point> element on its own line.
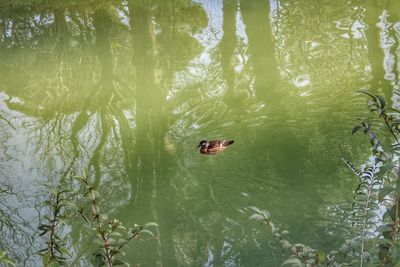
<point>214,146</point>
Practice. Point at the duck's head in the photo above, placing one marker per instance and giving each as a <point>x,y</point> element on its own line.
<point>203,143</point>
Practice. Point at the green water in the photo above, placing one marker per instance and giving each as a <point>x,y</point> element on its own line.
<point>123,91</point>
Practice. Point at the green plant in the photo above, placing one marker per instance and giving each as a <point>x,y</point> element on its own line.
<point>374,239</point>
<point>388,248</point>
<point>364,207</point>
<point>299,253</point>
<point>304,255</point>
<point>5,260</point>
<point>112,235</point>
<point>62,207</point>
<point>55,252</point>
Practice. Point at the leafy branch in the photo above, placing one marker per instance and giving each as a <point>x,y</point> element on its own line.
<point>365,204</point>
<point>5,260</point>
<point>300,254</point>
<point>55,252</point>
<point>113,235</point>
<point>379,182</point>
<point>388,247</point>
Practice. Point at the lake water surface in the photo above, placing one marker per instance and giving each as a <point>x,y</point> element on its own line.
<point>123,91</point>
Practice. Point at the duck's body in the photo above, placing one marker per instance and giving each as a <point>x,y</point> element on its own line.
<point>214,146</point>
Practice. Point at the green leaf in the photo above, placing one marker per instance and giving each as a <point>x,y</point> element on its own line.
<point>321,257</point>
<point>355,244</point>
<point>147,232</point>
<point>44,227</point>
<point>292,262</point>
<point>44,232</point>
<point>285,244</point>
<point>46,258</point>
<point>99,259</point>
<point>257,217</point>
<point>381,101</point>
<point>119,262</point>
<point>64,251</point>
<point>47,203</point>
<point>273,228</point>
<point>383,252</point>
<point>384,192</point>
<point>98,242</point>
<point>116,234</point>
<point>151,224</point>
<point>266,214</point>
<point>63,220</point>
<point>367,93</point>
<point>86,218</point>
<point>394,255</point>
<point>43,250</point>
<point>5,259</point>
<point>80,179</point>
<point>255,209</point>
<point>121,243</point>
<point>55,191</point>
<point>355,129</point>
<point>93,194</point>
<point>285,232</point>
<point>394,109</point>
<point>121,227</point>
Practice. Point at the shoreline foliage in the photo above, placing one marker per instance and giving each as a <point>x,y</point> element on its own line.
<point>375,237</point>
<point>110,235</point>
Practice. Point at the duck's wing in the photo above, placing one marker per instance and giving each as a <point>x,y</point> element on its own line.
<point>228,142</point>
<point>216,146</point>
<point>215,149</point>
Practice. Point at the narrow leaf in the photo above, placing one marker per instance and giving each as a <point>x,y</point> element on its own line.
<point>292,262</point>
<point>255,209</point>
<point>151,224</point>
<point>257,217</point>
<point>384,192</point>
<point>355,129</point>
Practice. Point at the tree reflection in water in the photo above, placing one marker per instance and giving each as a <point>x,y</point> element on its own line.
<point>119,90</point>
<point>90,106</point>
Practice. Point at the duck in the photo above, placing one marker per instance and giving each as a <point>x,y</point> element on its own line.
<point>214,146</point>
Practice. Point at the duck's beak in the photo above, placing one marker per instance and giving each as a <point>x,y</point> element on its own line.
<point>198,146</point>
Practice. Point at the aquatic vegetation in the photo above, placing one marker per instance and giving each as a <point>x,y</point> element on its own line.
<point>121,91</point>
<point>375,238</point>
<point>55,251</point>
<point>112,235</point>
<point>65,208</point>
<point>5,260</point>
